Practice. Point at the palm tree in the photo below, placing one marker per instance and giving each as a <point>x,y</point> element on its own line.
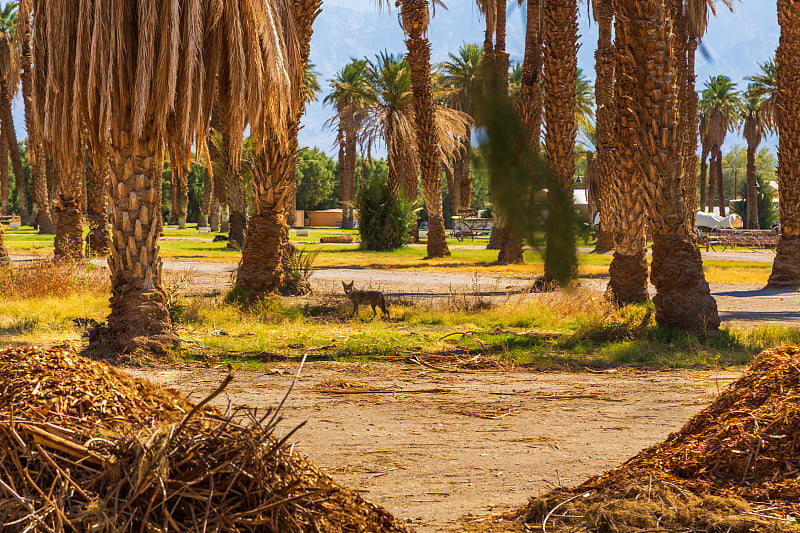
<point>273,167</point>
<point>415,18</point>
<point>757,123</point>
<point>462,74</point>
<point>721,105</point>
<point>692,17</point>
<point>627,282</point>
<point>86,74</point>
<point>36,156</point>
<point>603,12</point>
<point>349,91</point>
<point>388,116</point>
<point>683,299</point>
<point>560,37</point>
<point>786,268</point>
<point>9,78</point>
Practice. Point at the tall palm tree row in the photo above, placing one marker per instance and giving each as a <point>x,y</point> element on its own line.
<point>721,105</point>
<point>560,38</point>
<point>273,167</point>
<point>86,74</point>
<point>603,11</point>
<point>415,18</point>
<point>683,298</point>
<point>786,268</point>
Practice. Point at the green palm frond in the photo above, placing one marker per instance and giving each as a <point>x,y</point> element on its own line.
<point>721,105</point>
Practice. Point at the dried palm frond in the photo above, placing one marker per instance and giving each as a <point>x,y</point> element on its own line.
<point>153,67</point>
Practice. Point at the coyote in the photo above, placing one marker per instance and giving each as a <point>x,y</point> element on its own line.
<point>372,298</point>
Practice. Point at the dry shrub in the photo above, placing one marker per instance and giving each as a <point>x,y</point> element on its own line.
<point>742,450</point>
<point>50,279</point>
<point>84,447</point>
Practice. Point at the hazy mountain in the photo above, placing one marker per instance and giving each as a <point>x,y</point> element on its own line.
<point>735,44</point>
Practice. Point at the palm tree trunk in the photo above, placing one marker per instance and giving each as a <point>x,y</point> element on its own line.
<point>36,158</point>
<point>604,96</point>
<point>180,181</point>
<point>691,125</point>
<point>97,211</point>
<point>703,174</point>
<point>262,266</point>
<point>214,215</point>
<point>452,188</point>
<point>683,298</point>
<point>508,241</point>
<point>7,120</point>
<point>173,195</point>
<point>340,139</point>
<point>560,34</point>
<point>786,268</point>
<point>720,182</point>
<point>463,171</point>
<point>751,196</point>
<point>139,317</point>
<point>273,169</point>
<point>5,260</point>
<point>419,61</point>
<point>712,178</point>
<point>68,242</point>
<point>627,282</point>
<point>208,193</point>
<point>237,203</point>
<point>4,175</point>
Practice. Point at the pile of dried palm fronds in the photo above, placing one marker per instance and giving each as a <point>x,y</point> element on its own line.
<point>84,447</point>
<point>735,466</point>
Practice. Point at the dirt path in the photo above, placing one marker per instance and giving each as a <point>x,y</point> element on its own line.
<point>433,448</point>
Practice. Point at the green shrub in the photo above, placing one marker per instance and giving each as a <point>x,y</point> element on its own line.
<point>383,224</point>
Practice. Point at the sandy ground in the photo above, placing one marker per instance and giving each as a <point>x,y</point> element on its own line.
<point>442,449</point>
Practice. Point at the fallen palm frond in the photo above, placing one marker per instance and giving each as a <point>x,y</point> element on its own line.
<point>732,467</point>
<point>88,448</point>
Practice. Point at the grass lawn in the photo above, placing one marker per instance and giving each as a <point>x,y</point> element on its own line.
<point>561,330</point>
<point>463,257</point>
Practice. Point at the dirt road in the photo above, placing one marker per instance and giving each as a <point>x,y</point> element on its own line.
<point>437,448</point>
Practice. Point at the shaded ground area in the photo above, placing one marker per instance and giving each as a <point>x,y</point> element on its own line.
<point>437,449</point>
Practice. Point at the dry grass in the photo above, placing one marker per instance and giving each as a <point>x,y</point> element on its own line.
<point>50,279</point>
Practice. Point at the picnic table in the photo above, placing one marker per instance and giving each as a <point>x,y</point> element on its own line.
<point>720,239</point>
<point>466,227</point>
